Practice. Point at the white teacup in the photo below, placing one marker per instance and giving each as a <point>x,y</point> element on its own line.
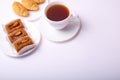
<point>58,14</point>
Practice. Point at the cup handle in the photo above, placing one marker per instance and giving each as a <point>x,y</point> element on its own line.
<point>73,16</point>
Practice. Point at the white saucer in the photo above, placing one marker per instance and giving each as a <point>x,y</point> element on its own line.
<point>61,35</point>
<point>8,49</point>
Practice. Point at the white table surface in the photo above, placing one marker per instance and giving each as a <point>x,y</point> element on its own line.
<point>94,54</point>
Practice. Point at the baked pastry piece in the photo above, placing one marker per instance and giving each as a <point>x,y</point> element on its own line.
<point>19,9</point>
<point>22,42</point>
<point>14,25</point>
<point>17,34</point>
<point>18,37</point>
<point>39,1</point>
<point>30,4</point>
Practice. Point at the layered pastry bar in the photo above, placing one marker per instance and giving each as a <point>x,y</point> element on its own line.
<point>18,37</point>
<point>23,42</point>
<point>14,25</point>
<point>17,34</point>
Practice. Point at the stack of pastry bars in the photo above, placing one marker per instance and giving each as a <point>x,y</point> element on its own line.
<point>17,35</point>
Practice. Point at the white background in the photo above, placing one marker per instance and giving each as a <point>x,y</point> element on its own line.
<point>94,54</point>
